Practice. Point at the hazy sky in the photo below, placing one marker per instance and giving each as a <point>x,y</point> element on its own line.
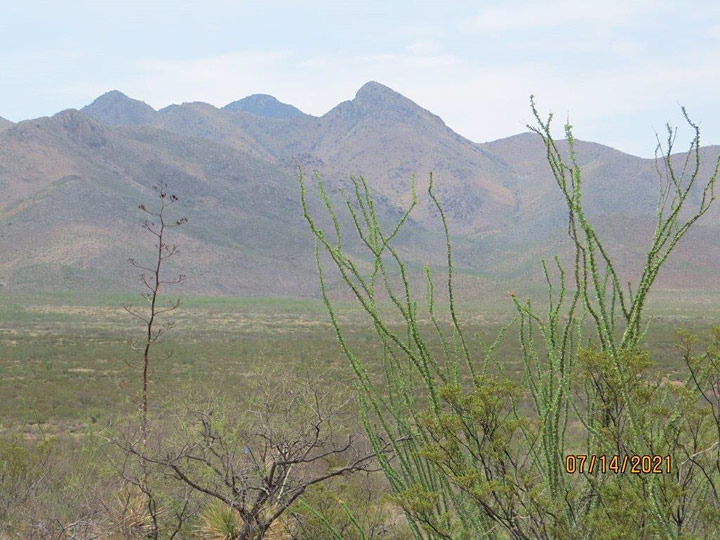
<point>619,68</point>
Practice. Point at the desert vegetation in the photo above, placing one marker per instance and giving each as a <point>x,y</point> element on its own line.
<point>480,455</point>
<point>388,409</point>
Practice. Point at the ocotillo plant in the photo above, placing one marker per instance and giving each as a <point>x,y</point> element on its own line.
<point>414,378</point>
<point>615,313</point>
<point>467,463</point>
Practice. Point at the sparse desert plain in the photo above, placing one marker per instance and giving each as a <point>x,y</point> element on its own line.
<point>427,308</point>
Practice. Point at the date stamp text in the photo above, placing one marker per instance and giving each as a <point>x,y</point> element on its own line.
<point>632,464</point>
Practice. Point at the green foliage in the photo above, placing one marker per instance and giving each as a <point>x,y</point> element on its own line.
<point>218,521</point>
<point>394,414</point>
<point>475,455</point>
<point>20,466</point>
<point>50,485</point>
<point>348,509</point>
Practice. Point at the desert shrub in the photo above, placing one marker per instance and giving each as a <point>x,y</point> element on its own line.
<point>245,461</point>
<point>355,508</point>
<point>53,488</point>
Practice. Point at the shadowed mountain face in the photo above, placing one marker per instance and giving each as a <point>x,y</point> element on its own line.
<point>70,186</point>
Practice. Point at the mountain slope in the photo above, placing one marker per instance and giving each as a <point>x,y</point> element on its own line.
<point>70,185</point>
<point>203,121</point>
<point>387,138</point>
<point>79,223</point>
<point>4,124</point>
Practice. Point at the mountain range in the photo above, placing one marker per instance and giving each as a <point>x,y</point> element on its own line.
<point>70,186</point>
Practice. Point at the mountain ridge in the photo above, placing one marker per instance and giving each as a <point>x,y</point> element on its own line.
<point>70,183</point>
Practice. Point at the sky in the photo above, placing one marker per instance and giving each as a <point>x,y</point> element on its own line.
<point>619,70</point>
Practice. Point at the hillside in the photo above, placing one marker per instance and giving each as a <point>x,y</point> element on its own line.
<point>70,185</point>
<point>4,124</point>
<point>70,217</point>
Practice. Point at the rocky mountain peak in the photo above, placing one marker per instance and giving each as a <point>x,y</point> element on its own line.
<point>374,91</point>
<point>116,109</point>
<point>375,99</point>
<point>264,105</point>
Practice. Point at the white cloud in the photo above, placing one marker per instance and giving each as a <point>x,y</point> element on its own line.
<point>493,103</point>
<point>409,60</point>
<point>215,79</point>
<point>424,47</point>
<point>625,47</point>
<point>533,14</point>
